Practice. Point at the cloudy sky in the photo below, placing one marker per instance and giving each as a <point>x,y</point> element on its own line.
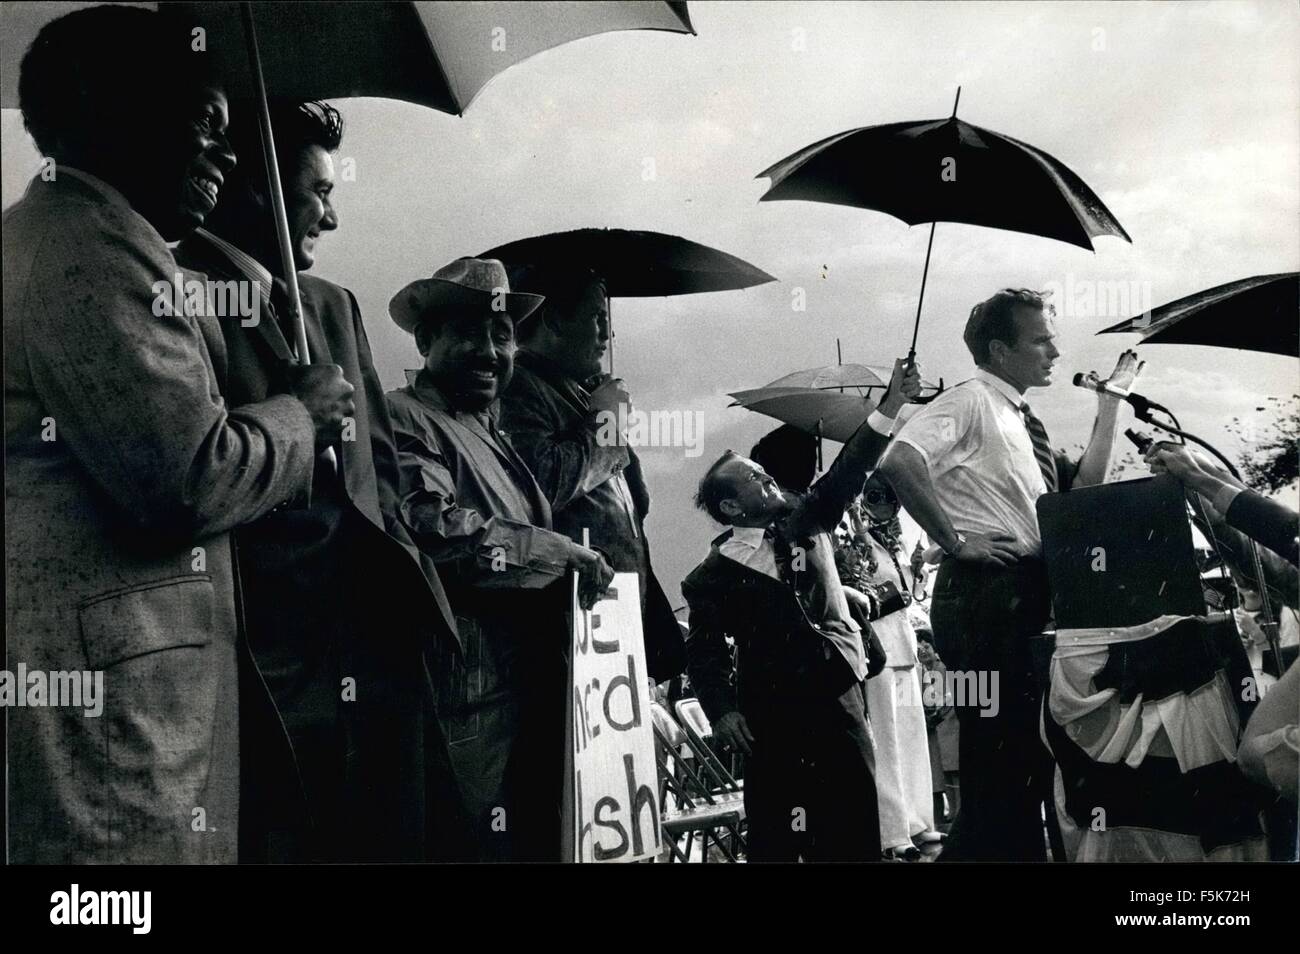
<point>1184,117</point>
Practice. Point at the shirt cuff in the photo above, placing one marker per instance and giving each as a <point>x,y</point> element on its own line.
<point>879,423</point>
<point>1224,498</point>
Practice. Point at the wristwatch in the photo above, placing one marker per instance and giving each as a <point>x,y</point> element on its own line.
<point>961,542</point>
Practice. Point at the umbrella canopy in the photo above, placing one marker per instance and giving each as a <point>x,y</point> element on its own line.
<point>945,170</point>
<point>635,264</point>
<point>995,181</point>
<point>1254,314</point>
<point>839,376</point>
<point>839,415</point>
<point>434,54</point>
<point>831,414</point>
<point>834,376</point>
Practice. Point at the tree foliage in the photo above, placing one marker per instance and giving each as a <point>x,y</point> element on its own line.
<point>1271,459</point>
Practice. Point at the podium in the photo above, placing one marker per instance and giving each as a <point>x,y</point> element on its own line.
<point>1147,692</point>
<point>1120,554</point>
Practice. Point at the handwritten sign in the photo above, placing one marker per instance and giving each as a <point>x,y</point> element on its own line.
<point>612,799</point>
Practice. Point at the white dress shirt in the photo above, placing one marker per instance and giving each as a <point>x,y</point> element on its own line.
<point>748,547</point>
<point>981,459</point>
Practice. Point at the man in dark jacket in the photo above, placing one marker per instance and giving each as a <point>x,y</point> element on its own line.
<point>337,608</point>
<point>793,703</point>
<point>551,413</point>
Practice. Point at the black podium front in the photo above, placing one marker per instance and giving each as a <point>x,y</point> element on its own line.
<point>1120,554</point>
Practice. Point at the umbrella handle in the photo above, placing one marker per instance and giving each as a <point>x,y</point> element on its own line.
<point>927,400</point>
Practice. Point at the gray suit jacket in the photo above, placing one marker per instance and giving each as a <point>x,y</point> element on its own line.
<point>125,474</point>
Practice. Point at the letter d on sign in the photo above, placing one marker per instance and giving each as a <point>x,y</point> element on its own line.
<point>634,696</point>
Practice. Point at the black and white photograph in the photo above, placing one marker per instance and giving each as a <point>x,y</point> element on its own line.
<point>453,442</point>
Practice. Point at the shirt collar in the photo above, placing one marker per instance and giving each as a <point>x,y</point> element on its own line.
<point>1002,387</point>
<point>244,263</point>
<point>751,537</point>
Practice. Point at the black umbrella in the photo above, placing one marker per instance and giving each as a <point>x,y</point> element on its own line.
<point>633,264</point>
<point>1255,314</point>
<point>435,54</point>
<point>945,170</point>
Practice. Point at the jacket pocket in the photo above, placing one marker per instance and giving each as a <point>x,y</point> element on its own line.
<point>164,690</point>
<point>147,618</point>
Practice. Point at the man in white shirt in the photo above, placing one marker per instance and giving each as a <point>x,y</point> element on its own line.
<point>969,467</point>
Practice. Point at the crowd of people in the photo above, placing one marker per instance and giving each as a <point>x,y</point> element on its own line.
<point>211,517</point>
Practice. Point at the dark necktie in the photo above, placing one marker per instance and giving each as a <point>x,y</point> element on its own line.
<point>1042,447</point>
<point>802,578</point>
<point>782,553</point>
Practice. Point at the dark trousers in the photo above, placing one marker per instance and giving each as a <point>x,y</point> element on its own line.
<point>984,619</point>
<point>502,704</point>
<point>809,787</point>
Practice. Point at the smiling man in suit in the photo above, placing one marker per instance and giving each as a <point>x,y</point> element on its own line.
<point>125,470</point>
<point>339,605</point>
<point>793,702</point>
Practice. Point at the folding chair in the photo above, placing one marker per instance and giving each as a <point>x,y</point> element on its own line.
<point>699,804</point>
<point>690,714</point>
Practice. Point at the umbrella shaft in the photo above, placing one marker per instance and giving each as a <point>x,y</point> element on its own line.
<point>916,327</point>
<point>289,270</point>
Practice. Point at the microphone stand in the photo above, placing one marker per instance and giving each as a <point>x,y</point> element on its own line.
<point>1142,409</point>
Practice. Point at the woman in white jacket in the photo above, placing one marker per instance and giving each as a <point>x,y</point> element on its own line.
<point>870,560</point>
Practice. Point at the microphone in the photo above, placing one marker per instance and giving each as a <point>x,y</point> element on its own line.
<point>1090,382</point>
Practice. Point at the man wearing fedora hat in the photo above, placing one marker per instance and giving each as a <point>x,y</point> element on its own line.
<point>472,504</point>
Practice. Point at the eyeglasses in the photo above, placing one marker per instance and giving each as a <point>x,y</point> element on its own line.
<point>878,497</point>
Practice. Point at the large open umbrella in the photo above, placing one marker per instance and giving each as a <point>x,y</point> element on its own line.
<point>828,414</point>
<point>435,54</point>
<point>633,264</point>
<point>838,377</point>
<point>1255,314</point>
<point>816,400</point>
<point>945,170</point>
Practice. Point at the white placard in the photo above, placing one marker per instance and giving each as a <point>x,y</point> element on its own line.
<point>612,796</point>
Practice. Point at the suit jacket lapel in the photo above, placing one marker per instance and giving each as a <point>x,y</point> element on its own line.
<point>268,331</point>
<point>216,265</point>
<point>317,344</point>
